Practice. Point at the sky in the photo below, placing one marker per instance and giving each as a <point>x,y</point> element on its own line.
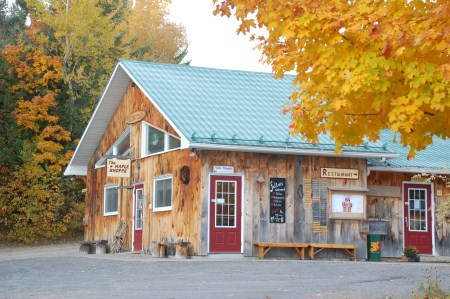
<point>213,41</point>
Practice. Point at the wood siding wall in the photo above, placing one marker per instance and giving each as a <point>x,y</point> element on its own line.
<point>299,216</point>
<point>182,221</point>
<point>391,209</point>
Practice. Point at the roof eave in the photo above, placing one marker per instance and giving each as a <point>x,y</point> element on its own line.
<point>76,170</point>
<point>98,124</point>
<point>290,151</point>
<point>410,169</point>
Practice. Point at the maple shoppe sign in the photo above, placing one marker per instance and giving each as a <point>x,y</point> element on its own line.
<point>118,168</point>
<point>339,173</point>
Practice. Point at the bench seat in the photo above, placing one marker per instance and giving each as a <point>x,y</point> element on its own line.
<point>348,249</point>
<point>313,248</point>
<point>264,247</point>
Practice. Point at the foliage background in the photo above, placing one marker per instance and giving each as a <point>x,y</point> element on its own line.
<point>55,59</point>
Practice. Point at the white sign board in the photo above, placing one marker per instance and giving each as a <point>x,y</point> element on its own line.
<point>223,169</point>
<point>351,203</point>
<point>339,173</point>
<point>118,168</point>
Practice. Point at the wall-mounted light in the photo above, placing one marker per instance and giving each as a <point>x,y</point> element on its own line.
<point>194,153</point>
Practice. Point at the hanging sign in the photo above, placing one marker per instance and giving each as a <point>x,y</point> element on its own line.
<point>118,168</point>
<point>277,200</point>
<point>339,173</point>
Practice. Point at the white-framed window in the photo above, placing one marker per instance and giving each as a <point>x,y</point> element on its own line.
<point>162,193</point>
<point>122,147</point>
<point>156,141</point>
<point>111,200</point>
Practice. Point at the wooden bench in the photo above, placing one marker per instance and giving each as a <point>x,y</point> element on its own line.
<point>348,249</point>
<point>313,248</point>
<point>264,247</point>
<point>94,247</point>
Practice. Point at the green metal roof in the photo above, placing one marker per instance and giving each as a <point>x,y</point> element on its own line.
<point>216,106</point>
<point>435,156</point>
<point>235,110</point>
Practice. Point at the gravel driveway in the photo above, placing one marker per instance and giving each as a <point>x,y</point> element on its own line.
<point>62,272</point>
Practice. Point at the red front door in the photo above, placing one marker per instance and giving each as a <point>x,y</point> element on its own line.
<point>138,217</point>
<point>417,213</point>
<point>225,214</point>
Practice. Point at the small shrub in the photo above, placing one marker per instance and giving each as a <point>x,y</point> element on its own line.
<point>411,252</point>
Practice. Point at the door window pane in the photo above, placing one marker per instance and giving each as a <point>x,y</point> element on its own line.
<point>225,204</point>
<point>417,210</point>
<point>139,199</point>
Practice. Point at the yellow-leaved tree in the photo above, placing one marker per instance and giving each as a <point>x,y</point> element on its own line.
<point>361,66</point>
<point>150,36</point>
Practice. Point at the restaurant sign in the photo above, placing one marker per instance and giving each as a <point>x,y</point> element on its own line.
<point>339,173</point>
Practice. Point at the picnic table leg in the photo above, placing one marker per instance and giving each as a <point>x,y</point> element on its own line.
<point>311,252</point>
<point>300,252</point>
<point>261,252</point>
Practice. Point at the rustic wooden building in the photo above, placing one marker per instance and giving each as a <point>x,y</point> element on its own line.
<point>204,155</point>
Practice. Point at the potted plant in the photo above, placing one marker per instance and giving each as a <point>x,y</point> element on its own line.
<point>411,253</point>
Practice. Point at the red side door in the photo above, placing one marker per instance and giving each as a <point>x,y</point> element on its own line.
<point>225,214</point>
<point>138,217</point>
<point>418,217</point>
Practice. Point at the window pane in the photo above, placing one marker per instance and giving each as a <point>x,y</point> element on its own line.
<point>422,204</point>
<point>168,193</point>
<point>163,193</point>
<point>231,199</point>
<point>416,194</point>
<point>231,210</point>
<point>139,198</point>
<point>123,145</point>
<point>174,142</point>
<point>225,209</point>
<point>423,225</point>
<point>111,200</point>
<point>155,140</point>
<point>422,194</point>
<point>159,196</point>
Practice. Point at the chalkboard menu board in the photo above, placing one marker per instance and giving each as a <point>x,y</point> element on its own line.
<point>277,200</point>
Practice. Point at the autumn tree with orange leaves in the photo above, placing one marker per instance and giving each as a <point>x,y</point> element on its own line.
<point>361,66</point>
<point>34,203</point>
<point>53,69</point>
